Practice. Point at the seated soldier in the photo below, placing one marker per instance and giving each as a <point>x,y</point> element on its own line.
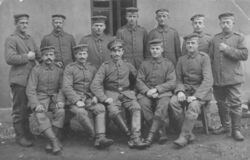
<point>111,86</point>
<point>194,88</point>
<point>156,80</point>
<point>44,94</point>
<point>76,87</point>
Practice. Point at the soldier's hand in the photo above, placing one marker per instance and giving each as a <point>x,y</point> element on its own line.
<point>40,108</point>
<point>31,55</point>
<point>191,99</point>
<point>80,104</point>
<point>155,95</point>
<point>109,100</point>
<point>59,64</point>
<point>59,105</point>
<point>94,100</point>
<point>151,92</point>
<point>223,46</point>
<point>181,97</point>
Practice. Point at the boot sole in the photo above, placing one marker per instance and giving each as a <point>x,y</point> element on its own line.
<point>104,145</point>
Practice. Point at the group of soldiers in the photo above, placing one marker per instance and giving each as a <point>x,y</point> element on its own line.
<point>145,74</point>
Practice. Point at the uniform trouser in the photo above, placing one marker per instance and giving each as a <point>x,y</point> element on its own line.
<point>58,114</point>
<point>185,117</point>
<point>98,110</point>
<point>155,109</point>
<point>128,101</point>
<point>45,122</point>
<point>20,112</point>
<point>228,101</point>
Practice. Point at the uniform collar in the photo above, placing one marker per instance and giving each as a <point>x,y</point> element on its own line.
<point>23,36</point>
<point>223,35</point>
<point>48,67</point>
<point>100,38</point>
<point>192,55</point>
<point>162,29</point>
<point>157,60</point>
<point>58,34</point>
<point>118,63</point>
<point>130,28</point>
<point>81,66</point>
<point>200,34</point>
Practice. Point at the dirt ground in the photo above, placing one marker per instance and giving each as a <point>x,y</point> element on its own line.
<point>206,147</point>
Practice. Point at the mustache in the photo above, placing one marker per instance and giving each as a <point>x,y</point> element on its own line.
<point>49,59</point>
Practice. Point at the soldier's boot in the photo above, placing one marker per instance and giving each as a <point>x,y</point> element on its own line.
<point>118,120</point>
<point>153,130</point>
<point>101,141</point>
<point>87,124</point>
<point>56,145</point>
<point>186,135</point>
<point>26,127</point>
<point>225,120</point>
<point>58,134</point>
<point>135,138</point>
<point>163,135</point>
<point>20,136</point>
<point>236,124</point>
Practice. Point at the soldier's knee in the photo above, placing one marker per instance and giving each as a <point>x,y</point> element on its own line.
<point>113,110</point>
<point>41,116</point>
<point>193,110</point>
<point>173,103</point>
<point>80,113</point>
<point>60,112</point>
<point>135,106</point>
<point>99,108</point>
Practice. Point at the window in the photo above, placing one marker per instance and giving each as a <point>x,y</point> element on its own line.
<point>114,10</point>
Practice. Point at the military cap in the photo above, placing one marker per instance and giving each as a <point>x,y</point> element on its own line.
<point>47,48</point>
<point>80,47</point>
<point>17,17</point>
<point>161,10</point>
<point>197,16</point>
<point>192,35</point>
<point>98,19</point>
<point>226,15</point>
<point>58,16</point>
<point>131,9</point>
<point>155,41</point>
<point>116,43</point>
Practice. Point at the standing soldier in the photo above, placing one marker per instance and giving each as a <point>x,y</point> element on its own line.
<point>170,37</point>
<point>76,86</point>
<point>227,50</point>
<point>194,88</point>
<point>20,52</point>
<point>97,42</point>
<point>111,86</point>
<point>62,41</point>
<point>44,94</point>
<point>156,80</point>
<point>198,28</point>
<point>135,38</point>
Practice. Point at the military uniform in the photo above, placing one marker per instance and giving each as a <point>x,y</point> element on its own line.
<point>135,43</point>
<point>204,43</point>
<point>17,46</point>
<point>156,73</point>
<point>112,80</point>
<point>159,74</point>
<point>194,78</point>
<point>171,42</point>
<point>77,79</point>
<point>64,43</point>
<point>228,76</point>
<point>97,48</point>
<point>44,88</point>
